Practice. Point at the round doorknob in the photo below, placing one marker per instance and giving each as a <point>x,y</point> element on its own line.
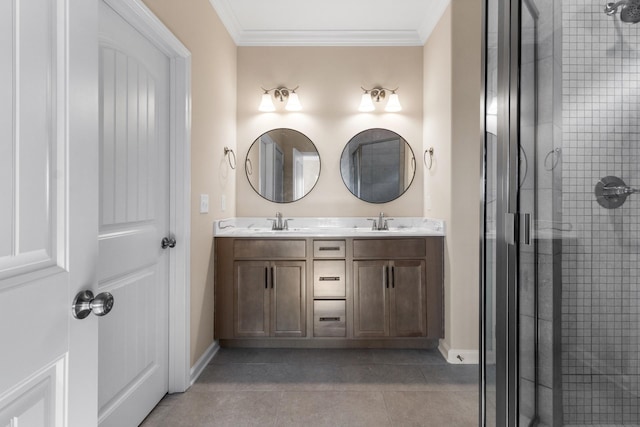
<point>85,303</point>
<point>168,242</point>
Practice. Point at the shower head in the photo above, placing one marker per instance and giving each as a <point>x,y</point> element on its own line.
<point>630,12</point>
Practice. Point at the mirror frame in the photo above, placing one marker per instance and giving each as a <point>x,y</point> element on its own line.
<point>414,163</point>
<point>248,160</point>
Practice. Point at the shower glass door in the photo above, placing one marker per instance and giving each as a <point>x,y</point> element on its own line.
<point>561,291</point>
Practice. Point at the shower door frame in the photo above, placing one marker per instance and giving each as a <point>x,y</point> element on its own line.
<point>507,220</point>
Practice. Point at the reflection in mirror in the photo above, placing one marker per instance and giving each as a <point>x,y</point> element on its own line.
<point>282,165</point>
<point>377,165</point>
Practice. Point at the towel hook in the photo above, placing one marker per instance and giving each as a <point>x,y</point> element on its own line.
<point>230,153</point>
<point>430,151</point>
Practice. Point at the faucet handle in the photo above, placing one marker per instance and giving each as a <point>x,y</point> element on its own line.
<point>386,224</point>
<point>285,226</point>
<point>374,224</point>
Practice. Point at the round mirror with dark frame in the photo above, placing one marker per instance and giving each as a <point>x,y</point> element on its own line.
<point>377,165</point>
<point>282,165</point>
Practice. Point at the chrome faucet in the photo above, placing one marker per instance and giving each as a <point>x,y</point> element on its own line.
<point>278,223</point>
<point>381,223</point>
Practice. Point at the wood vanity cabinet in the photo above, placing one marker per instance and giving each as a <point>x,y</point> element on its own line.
<point>260,288</point>
<point>319,292</point>
<point>390,298</point>
<point>397,287</point>
<point>268,298</point>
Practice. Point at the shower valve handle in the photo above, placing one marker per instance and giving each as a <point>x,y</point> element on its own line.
<point>618,190</point>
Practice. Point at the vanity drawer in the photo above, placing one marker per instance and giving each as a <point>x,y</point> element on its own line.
<point>328,248</point>
<point>329,279</point>
<point>269,248</point>
<point>389,248</point>
<point>329,318</point>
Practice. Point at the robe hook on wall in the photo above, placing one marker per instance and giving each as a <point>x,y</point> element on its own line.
<point>229,153</point>
<point>430,152</point>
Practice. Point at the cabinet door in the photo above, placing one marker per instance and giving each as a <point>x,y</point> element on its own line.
<point>371,299</point>
<point>408,316</point>
<point>251,298</point>
<point>288,305</point>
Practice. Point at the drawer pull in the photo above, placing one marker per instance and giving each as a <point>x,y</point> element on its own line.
<point>329,248</point>
<point>330,319</point>
<point>329,278</point>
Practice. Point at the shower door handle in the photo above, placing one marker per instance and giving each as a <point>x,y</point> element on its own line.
<point>526,218</point>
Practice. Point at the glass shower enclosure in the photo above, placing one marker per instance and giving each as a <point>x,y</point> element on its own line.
<point>561,238</point>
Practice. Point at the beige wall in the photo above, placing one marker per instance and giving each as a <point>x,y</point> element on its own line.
<point>437,134</point>
<point>452,187</point>
<point>330,80</point>
<point>440,97</point>
<point>213,126</point>
<point>465,189</point>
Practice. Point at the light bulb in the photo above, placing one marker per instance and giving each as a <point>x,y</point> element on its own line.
<point>366,104</point>
<point>266,105</point>
<point>393,105</point>
<point>293,104</point>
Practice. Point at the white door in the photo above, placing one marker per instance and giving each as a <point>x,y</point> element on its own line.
<point>48,211</point>
<point>134,213</point>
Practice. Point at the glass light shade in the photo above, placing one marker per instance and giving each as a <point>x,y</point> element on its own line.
<point>293,104</point>
<point>393,105</point>
<point>366,104</point>
<point>266,105</point>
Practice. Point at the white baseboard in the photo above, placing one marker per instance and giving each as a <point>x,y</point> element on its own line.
<point>459,356</point>
<point>196,370</point>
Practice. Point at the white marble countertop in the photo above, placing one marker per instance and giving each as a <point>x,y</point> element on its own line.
<point>328,227</point>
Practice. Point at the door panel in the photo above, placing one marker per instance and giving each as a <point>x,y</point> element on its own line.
<point>30,143</point>
<point>371,303</point>
<point>251,299</point>
<point>134,212</point>
<point>408,300</point>
<point>48,211</point>
<point>289,299</point>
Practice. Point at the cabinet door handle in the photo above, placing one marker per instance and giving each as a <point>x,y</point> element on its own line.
<point>266,277</point>
<point>386,276</point>
<point>329,248</point>
<point>329,278</point>
<point>393,277</point>
<point>273,277</point>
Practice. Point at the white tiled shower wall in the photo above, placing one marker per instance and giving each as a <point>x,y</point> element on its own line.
<point>600,280</point>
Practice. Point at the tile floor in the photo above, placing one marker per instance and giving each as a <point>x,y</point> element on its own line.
<point>325,387</point>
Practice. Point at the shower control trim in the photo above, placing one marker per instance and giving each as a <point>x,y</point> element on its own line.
<point>611,192</point>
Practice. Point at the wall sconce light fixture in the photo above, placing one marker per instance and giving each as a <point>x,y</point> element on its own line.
<point>378,94</point>
<point>281,94</point>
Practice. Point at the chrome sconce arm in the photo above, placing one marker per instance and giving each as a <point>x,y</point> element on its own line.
<point>281,94</point>
<point>378,94</point>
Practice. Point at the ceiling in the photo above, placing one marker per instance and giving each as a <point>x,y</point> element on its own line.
<point>330,22</point>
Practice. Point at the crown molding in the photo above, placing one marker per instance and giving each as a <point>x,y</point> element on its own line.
<point>432,20</point>
<point>243,37</point>
<point>228,18</point>
<point>329,38</point>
